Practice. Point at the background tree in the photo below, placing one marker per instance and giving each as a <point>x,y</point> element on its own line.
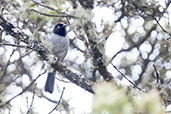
<point>143,62</point>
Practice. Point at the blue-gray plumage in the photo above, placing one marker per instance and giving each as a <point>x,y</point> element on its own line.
<point>60,43</point>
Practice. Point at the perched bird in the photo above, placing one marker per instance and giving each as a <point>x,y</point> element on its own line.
<point>60,43</point>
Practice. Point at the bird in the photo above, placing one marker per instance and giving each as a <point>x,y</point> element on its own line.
<point>60,43</point>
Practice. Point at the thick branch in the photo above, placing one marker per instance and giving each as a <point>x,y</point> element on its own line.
<point>97,55</point>
<point>73,77</point>
<point>8,27</point>
<point>98,60</point>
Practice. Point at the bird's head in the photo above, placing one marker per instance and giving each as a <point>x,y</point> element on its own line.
<point>60,29</point>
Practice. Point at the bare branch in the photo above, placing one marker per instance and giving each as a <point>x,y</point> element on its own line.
<point>135,45</point>
<point>61,14</point>
<point>50,15</point>
<point>22,57</point>
<point>73,77</point>
<point>126,78</point>
<point>157,74</point>
<point>44,6</point>
<point>14,45</point>
<point>28,112</point>
<point>162,27</point>
<point>96,51</point>
<point>44,96</point>
<point>60,99</point>
<point>6,66</point>
<point>25,89</point>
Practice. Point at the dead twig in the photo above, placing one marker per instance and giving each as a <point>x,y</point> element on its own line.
<point>60,99</point>
<point>50,15</point>
<point>126,77</point>
<point>157,74</point>
<point>28,112</point>
<point>26,88</point>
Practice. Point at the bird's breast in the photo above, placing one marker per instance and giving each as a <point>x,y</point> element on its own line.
<point>60,46</point>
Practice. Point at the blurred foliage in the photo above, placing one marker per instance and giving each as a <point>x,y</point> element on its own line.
<point>112,100</point>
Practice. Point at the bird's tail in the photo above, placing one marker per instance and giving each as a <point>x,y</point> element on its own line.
<point>49,86</point>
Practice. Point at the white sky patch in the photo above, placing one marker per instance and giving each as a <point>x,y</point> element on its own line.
<point>15,56</point>
<point>102,13</point>
<point>79,99</point>
<point>72,55</point>
<point>136,25</point>
<point>71,35</point>
<point>114,44</point>
<point>25,80</point>
<point>28,60</point>
<point>168,108</point>
<point>168,74</point>
<point>2,50</point>
<point>43,106</point>
<point>124,23</point>
<point>11,68</point>
<point>8,38</point>
<point>132,55</point>
<point>145,47</point>
<point>8,52</point>
<point>12,90</point>
<point>136,70</point>
<point>136,22</point>
<point>35,69</point>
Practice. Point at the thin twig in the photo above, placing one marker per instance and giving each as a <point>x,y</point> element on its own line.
<point>32,99</point>
<point>25,88</point>
<point>58,101</point>
<point>44,6</point>
<point>126,77</point>
<point>62,80</point>
<point>157,74</point>
<point>75,46</point>
<point>22,57</point>
<point>6,66</point>
<point>15,78</point>
<point>50,15</point>
<point>61,13</point>
<point>48,7</point>
<point>42,95</point>
<point>162,27</point>
<point>27,102</point>
<point>135,45</point>
<point>14,45</point>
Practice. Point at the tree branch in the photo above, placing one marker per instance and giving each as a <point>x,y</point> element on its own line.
<point>50,15</point>
<point>96,51</point>
<point>126,77</point>
<point>30,108</point>
<point>137,44</point>
<point>157,74</point>
<point>60,99</point>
